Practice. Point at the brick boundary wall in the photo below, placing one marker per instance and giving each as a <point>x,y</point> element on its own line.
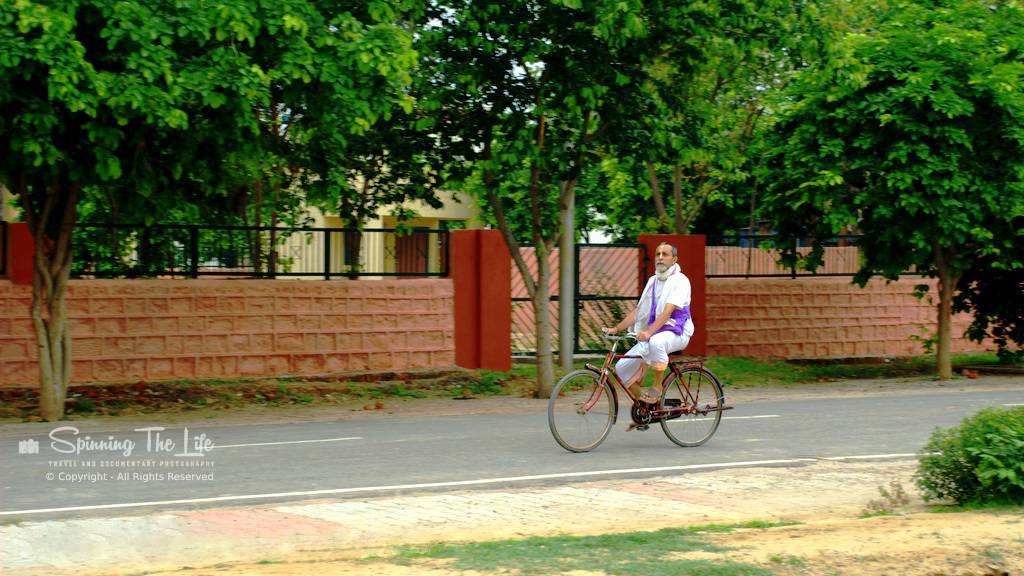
<point>127,330</point>
<point>823,318</point>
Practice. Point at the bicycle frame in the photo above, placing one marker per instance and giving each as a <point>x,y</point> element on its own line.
<point>607,373</point>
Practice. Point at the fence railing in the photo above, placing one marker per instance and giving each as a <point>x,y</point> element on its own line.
<point>608,279</point>
<point>181,250</point>
<point>747,255</point>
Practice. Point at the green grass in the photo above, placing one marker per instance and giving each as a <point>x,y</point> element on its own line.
<point>994,555</point>
<point>743,372</point>
<point>753,524</point>
<point>83,405</point>
<point>399,391</point>
<point>748,372</point>
<point>997,507</point>
<point>625,554</point>
<point>787,560</point>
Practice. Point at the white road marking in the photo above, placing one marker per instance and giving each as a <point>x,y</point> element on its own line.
<point>751,417</point>
<point>870,457</point>
<point>288,442</point>
<point>1013,404</point>
<point>451,484</point>
<point>689,421</point>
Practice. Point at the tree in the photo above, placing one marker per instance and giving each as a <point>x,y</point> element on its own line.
<point>911,128</point>
<point>528,91</point>
<point>694,136</point>
<point>153,101</point>
<point>398,161</point>
<point>692,139</point>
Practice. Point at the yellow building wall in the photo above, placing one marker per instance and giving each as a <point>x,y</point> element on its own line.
<point>9,213</point>
<point>375,247</point>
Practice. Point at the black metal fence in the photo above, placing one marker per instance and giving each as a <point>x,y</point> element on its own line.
<point>608,281</point>
<point>749,255</point>
<point>180,250</point>
<point>609,278</point>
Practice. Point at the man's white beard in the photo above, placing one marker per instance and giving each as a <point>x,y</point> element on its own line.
<point>661,271</point>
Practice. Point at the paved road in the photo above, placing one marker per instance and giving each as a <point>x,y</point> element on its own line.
<point>117,469</point>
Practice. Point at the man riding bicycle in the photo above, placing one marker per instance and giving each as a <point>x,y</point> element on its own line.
<point>661,321</point>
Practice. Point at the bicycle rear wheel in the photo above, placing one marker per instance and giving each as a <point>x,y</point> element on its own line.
<point>699,396</point>
<point>581,411</point>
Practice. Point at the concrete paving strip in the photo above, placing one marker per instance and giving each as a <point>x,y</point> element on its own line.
<point>172,539</point>
<point>436,485</point>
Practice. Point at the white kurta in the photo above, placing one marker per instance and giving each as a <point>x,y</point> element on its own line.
<point>673,290</point>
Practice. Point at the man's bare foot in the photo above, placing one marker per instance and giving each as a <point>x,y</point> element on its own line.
<point>651,395</point>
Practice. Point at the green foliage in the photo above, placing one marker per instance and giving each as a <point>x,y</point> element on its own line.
<point>910,130</point>
<point>400,391</point>
<point>84,405</point>
<point>399,159</point>
<point>616,554</point>
<point>694,141</point>
<point>893,499</point>
<point>526,93</point>
<point>531,96</point>
<point>485,383</point>
<point>149,106</point>
<point>693,107</point>
<point>979,461</point>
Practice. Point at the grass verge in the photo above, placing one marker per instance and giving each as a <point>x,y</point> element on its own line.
<point>994,507</point>
<point>378,391</point>
<point>748,372</point>
<point>651,553</point>
<point>367,392</point>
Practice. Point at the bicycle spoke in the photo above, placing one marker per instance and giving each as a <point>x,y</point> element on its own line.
<point>580,411</point>
<point>694,403</point>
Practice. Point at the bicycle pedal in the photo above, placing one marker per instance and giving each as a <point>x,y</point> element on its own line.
<point>640,427</point>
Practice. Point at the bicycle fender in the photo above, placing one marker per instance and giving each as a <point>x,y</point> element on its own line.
<point>615,392</point>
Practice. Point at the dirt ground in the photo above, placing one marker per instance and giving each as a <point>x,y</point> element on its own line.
<point>911,544</point>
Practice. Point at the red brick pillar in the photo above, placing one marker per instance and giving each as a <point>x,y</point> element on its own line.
<point>691,261</point>
<point>481,271</point>
<point>21,250</point>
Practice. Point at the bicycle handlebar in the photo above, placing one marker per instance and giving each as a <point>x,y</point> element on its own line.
<point>611,338</point>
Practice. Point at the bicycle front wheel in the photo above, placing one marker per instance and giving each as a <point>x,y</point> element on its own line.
<point>581,411</point>
<point>695,403</point>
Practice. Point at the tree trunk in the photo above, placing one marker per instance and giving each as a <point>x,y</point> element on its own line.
<point>542,325</point>
<point>50,274</point>
<point>677,196</point>
<point>659,202</point>
<point>273,255</point>
<point>567,275</point>
<point>256,236</point>
<point>352,252</point>
<point>947,283</point>
<point>753,232</point>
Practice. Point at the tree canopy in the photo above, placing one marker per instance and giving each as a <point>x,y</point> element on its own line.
<point>159,102</point>
<point>531,92</point>
<point>911,130</point>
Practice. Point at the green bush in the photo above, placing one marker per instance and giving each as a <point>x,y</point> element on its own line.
<point>977,462</point>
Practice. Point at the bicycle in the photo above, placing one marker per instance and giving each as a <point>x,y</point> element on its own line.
<point>584,404</point>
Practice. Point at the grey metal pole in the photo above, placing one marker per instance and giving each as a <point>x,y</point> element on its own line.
<point>567,286</point>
